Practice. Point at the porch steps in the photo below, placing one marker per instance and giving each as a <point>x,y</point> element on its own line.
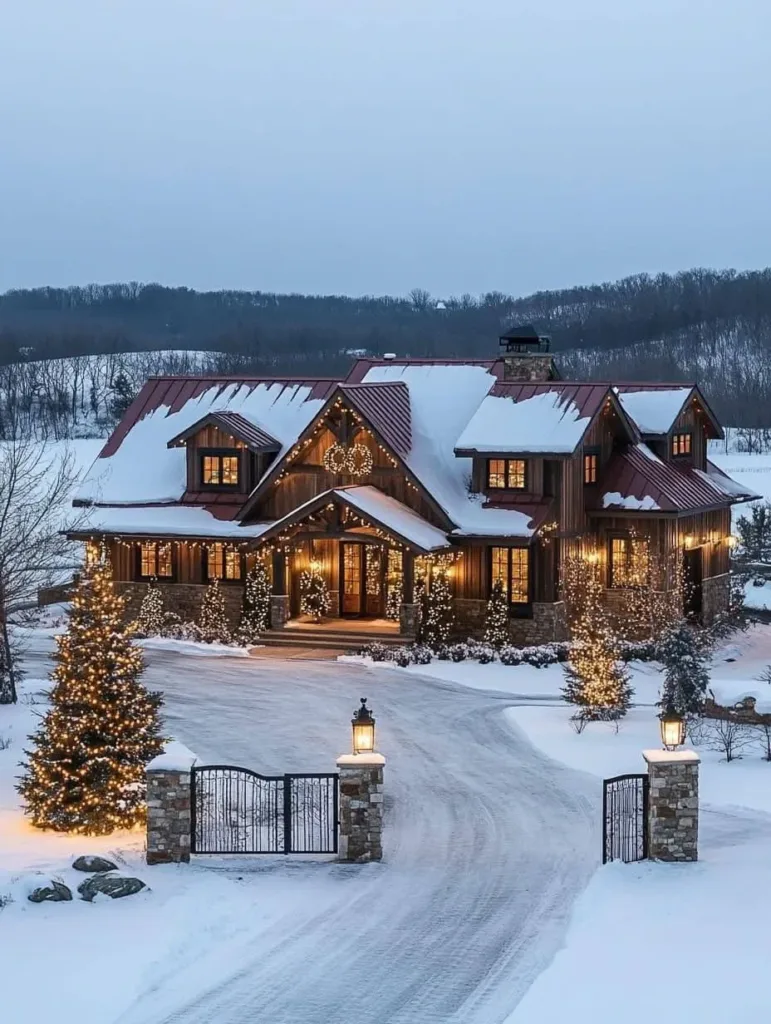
<point>330,639</point>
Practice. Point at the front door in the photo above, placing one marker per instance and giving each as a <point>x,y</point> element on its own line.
<point>353,578</point>
<point>362,573</point>
<point>693,576</point>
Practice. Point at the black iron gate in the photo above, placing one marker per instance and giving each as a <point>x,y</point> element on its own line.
<point>235,810</point>
<point>625,818</point>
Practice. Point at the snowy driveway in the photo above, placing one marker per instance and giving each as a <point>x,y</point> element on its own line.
<point>486,845</point>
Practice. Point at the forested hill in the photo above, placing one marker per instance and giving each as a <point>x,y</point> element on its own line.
<point>709,325</point>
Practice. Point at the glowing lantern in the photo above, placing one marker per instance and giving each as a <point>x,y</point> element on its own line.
<point>672,729</point>
<point>363,725</point>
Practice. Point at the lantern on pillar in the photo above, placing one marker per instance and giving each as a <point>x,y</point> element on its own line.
<point>672,728</point>
<point>363,725</point>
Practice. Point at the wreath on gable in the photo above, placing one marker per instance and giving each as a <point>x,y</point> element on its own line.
<point>336,458</point>
<point>355,460</point>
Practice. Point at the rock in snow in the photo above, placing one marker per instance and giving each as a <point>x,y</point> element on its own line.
<point>56,892</point>
<point>94,864</point>
<point>114,886</point>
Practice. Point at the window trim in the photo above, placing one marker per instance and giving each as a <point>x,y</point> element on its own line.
<point>220,453</point>
<point>673,444</point>
<point>517,609</point>
<point>171,577</point>
<point>224,578</point>
<point>507,486</point>
<point>591,453</point>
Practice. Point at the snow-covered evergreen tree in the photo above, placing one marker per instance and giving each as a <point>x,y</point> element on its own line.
<point>686,668</point>
<point>437,618</point>
<point>151,619</point>
<point>497,618</point>
<point>255,605</point>
<point>314,594</point>
<point>213,622</point>
<point>86,771</point>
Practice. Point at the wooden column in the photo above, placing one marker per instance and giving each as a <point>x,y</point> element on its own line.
<point>279,572</point>
<point>279,599</point>
<point>408,577</point>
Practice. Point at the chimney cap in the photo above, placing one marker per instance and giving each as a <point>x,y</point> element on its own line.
<point>524,338</point>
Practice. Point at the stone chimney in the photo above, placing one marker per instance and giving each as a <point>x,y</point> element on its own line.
<point>526,355</point>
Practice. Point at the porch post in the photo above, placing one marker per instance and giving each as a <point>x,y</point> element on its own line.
<point>279,599</point>
<point>408,610</point>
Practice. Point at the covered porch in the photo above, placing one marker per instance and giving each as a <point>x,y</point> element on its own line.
<point>372,552</point>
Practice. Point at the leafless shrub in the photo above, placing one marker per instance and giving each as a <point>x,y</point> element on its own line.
<point>762,732</point>
<point>728,736</point>
<point>5,742</point>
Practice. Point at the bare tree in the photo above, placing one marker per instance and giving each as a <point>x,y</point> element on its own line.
<point>729,736</point>
<point>36,485</point>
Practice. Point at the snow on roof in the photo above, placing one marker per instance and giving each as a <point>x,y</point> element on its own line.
<point>654,410</point>
<point>394,516</point>
<point>443,398</point>
<point>143,469</point>
<point>546,422</point>
<point>727,484</point>
<point>165,521</point>
<point>614,499</point>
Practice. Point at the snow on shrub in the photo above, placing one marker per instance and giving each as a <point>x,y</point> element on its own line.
<point>510,655</point>
<point>403,657</point>
<point>422,655</point>
<point>459,652</point>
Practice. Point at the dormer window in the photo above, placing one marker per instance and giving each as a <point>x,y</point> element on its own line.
<point>681,444</point>
<point>220,468</point>
<point>507,474</point>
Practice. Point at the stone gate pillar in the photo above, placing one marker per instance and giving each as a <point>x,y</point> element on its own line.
<point>673,804</point>
<point>169,816</point>
<point>361,807</point>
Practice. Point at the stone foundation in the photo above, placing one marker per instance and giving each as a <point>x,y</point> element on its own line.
<point>279,610</point>
<point>361,807</point>
<point>673,804</point>
<point>183,598</point>
<point>546,624</point>
<point>715,597</point>
<point>168,806</point>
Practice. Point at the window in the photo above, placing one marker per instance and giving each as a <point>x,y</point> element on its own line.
<point>154,559</point>
<point>681,444</point>
<point>512,566</point>
<point>506,474</point>
<point>629,562</point>
<point>222,563</point>
<point>220,469</point>
<point>590,468</point>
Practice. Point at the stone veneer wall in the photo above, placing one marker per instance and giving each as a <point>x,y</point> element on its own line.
<point>715,597</point>
<point>168,816</point>
<point>547,623</point>
<point>673,805</point>
<point>183,598</point>
<point>361,807</point>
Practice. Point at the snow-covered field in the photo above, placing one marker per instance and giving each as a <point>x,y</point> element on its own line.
<point>692,937</point>
<point>492,832</point>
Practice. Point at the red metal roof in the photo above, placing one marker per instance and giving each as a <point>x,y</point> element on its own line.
<point>387,407</point>
<point>673,488</point>
<point>233,423</point>
<point>174,392</point>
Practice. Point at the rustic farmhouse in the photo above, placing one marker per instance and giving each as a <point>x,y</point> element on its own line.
<point>497,465</point>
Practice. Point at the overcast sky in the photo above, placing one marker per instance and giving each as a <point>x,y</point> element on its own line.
<point>369,146</point>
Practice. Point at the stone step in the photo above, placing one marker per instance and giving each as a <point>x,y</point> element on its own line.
<point>328,639</point>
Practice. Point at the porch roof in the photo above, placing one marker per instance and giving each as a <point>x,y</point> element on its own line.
<point>377,509</point>
<point>169,520</point>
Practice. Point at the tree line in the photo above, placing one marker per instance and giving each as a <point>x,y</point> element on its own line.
<point>712,326</point>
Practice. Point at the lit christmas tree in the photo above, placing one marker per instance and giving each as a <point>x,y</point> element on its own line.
<point>255,605</point>
<point>686,674</point>
<point>86,771</point>
<point>213,626</point>
<point>437,619</point>
<point>151,618</point>
<point>314,593</point>
<point>394,584</point>
<point>497,618</point>
<point>596,681</point>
